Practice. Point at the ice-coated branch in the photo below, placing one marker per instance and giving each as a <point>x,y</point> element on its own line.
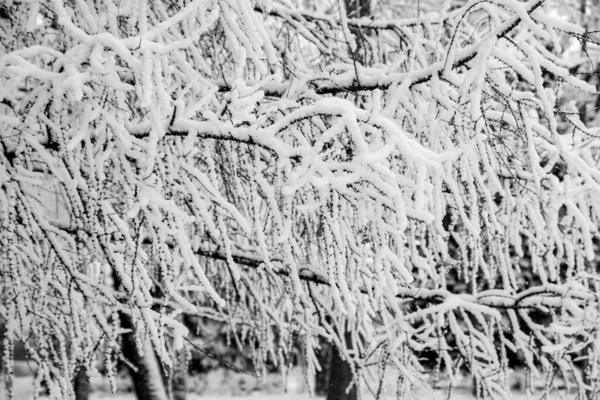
<point>237,159</point>
<point>550,296</point>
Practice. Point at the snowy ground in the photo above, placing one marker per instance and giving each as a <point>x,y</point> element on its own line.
<point>23,391</point>
<point>224,384</point>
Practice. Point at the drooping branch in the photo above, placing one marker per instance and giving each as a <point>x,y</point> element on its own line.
<point>549,296</point>
<point>303,16</point>
<point>331,85</point>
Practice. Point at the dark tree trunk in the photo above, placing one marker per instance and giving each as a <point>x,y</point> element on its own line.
<point>150,381</point>
<point>179,379</point>
<point>340,376</point>
<point>322,376</point>
<point>591,391</point>
<point>81,384</point>
<point>2,333</point>
<point>340,370</point>
<point>147,378</point>
<point>147,375</point>
<point>359,9</point>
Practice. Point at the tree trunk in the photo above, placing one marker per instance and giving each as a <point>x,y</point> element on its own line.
<point>359,9</point>
<point>2,333</point>
<point>340,370</point>
<point>179,378</point>
<point>340,376</point>
<point>322,376</point>
<point>81,384</point>
<point>148,378</point>
<point>2,378</point>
